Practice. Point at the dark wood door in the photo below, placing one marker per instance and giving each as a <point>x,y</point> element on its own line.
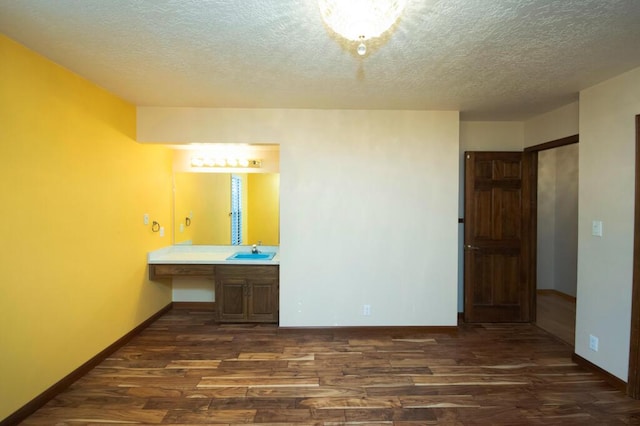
<point>231,300</point>
<point>497,285</point>
<point>262,303</point>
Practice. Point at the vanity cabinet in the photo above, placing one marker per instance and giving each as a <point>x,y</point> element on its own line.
<point>247,293</point>
<point>244,293</point>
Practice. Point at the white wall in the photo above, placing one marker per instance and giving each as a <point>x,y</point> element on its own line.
<point>557,241</point>
<point>556,124</point>
<point>482,136</point>
<point>191,289</point>
<point>607,167</point>
<point>368,207</point>
<point>566,219</point>
<point>546,248</point>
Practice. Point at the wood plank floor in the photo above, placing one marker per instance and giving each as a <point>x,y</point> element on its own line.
<point>556,313</point>
<point>185,369</point>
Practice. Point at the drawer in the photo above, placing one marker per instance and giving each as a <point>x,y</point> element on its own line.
<point>247,271</point>
<point>168,271</point>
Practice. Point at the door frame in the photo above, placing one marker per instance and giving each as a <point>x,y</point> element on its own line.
<point>633,379</point>
<point>531,159</point>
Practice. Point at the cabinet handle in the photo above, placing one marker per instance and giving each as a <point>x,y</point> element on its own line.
<point>470,247</point>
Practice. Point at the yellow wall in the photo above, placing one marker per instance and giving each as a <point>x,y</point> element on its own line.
<point>244,207</point>
<point>74,187</point>
<point>207,195</point>
<point>183,191</point>
<point>263,207</point>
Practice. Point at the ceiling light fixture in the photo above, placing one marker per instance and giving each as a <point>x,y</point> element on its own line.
<point>361,20</point>
<point>218,162</point>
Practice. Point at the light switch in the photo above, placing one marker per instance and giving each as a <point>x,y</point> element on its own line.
<point>145,218</point>
<point>596,228</point>
<point>162,231</point>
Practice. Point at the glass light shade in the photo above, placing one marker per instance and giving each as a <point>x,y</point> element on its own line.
<point>360,19</point>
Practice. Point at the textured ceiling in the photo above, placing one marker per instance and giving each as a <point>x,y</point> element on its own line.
<point>490,59</point>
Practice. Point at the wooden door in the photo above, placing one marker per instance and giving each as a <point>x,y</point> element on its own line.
<point>497,217</point>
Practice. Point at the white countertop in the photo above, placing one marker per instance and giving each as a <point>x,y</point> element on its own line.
<point>208,255</point>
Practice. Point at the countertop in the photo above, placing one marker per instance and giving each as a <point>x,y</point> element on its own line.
<point>208,255</point>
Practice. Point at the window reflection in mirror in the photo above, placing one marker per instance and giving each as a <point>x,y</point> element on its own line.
<point>203,204</point>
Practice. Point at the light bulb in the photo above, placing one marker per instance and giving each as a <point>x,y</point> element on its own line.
<point>362,49</point>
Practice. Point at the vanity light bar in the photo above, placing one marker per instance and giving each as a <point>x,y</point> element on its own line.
<point>225,162</point>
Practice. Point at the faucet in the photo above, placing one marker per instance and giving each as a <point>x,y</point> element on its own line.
<point>254,249</point>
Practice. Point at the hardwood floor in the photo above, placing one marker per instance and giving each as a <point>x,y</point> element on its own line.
<point>185,369</point>
<point>556,313</point>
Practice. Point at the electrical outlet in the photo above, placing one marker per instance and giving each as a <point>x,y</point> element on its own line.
<point>366,310</point>
<point>593,343</point>
<point>145,218</point>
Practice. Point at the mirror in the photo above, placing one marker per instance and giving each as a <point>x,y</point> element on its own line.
<point>202,208</point>
<point>202,178</point>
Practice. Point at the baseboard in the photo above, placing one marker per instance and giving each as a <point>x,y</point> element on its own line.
<point>556,293</point>
<point>195,306</point>
<point>614,381</point>
<point>39,401</point>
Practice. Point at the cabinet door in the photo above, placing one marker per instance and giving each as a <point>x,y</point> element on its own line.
<point>231,299</point>
<point>262,300</point>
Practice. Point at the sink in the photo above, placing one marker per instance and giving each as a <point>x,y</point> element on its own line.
<point>243,255</point>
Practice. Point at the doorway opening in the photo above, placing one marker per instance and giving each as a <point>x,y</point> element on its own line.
<point>555,165</point>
